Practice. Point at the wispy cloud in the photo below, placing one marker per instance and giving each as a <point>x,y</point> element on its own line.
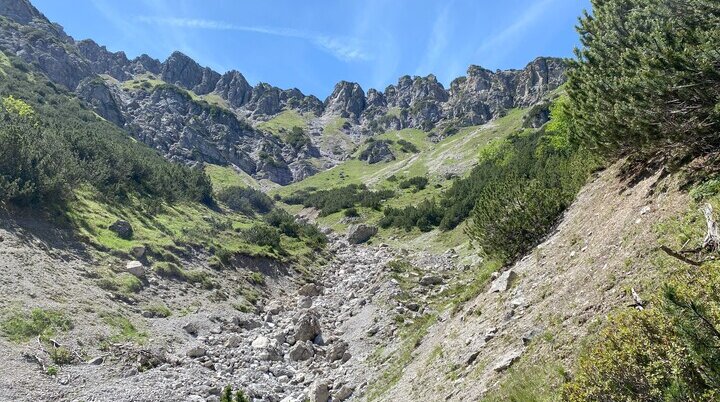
<point>501,42</point>
<point>346,49</point>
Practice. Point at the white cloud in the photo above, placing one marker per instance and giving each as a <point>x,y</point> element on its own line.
<point>346,49</point>
<point>501,42</point>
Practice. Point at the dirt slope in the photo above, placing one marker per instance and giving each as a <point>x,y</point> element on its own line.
<point>602,248</point>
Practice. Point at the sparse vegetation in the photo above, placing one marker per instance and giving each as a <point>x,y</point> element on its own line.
<point>22,326</point>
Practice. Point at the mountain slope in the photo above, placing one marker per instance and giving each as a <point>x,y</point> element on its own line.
<point>605,245</point>
<point>193,114</point>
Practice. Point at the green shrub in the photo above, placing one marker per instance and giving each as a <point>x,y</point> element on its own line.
<point>669,351</point>
<point>337,199</point>
<point>297,138</point>
<point>246,200</point>
<point>169,270</point>
<point>262,235</point>
<point>408,147</point>
<point>418,182</point>
<point>61,355</point>
<point>646,80</point>
<point>227,395</point>
<point>351,213</point>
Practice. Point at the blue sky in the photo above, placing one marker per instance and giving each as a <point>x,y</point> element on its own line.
<point>312,44</point>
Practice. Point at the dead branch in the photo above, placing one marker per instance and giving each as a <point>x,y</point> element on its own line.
<point>679,256</point>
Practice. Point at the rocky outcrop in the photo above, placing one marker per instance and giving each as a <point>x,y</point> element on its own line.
<point>483,95</point>
<point>96,93</point>
<point>181,70</point>
<point>361,233</point>
<point>233,87</point>
<point>346,100</point>
<point>104,62</point>
<point>20,11</point>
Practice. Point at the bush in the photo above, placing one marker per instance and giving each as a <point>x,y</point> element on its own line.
<point>262,235</point>
<point>297,138</point>
<point>351,213</point>
<point>646,80</point>
<point>669,351</point>
<point>418,182</point>
<point>408,147</point>
<point>227,395</point>
<point>337,199</point>
<point>246,200</point>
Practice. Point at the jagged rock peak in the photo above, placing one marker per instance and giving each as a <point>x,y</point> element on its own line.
<point>234,87</point>
<point>20,11</point>
<point>180,69</point>
<point>347,100</point>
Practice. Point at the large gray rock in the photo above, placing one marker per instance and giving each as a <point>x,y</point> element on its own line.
<point>95,92</point>
<point>361,233</point>
<point>123,229</point>
<point>301,351</point>
<point>135,268</point>
<point>503,282</point>
<point>307,327</point>
<point>319,391</point>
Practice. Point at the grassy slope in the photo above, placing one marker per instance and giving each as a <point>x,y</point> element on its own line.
<point>285,121</point>
<point>455,154</point>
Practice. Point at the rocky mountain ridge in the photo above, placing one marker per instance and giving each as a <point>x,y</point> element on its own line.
<point>208,117</point>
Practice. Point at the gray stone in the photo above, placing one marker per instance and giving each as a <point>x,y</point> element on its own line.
<point>507,361</point>
<point>319,392</point>
<point>430,280</point>
<point>135,268</point>
<point>307,327</point>
<point>138,251</point>
<point>343,393</point>
<point>123,229</point>
<point>361,233</point>
<point>503,282</point>
<point>197,351</point>
<point>260,342</point>
<point>310,289</point>
<point>301,351</point>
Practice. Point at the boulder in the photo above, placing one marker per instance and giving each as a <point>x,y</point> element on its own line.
<point>260,342</point>
<point>319,392</point>
<point>311,290</point>
<point>123,229</point>
<point>138,251</point>
<point>301,351</point>
<point>430,280</point>
<point>507,360</point>
<point>343,393</point>
<point>361,233</point>
<point>307,327</point>
<point>135,268</point>
<point>197,351</point>
<point>503,282</point>
<point>337,351</point>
